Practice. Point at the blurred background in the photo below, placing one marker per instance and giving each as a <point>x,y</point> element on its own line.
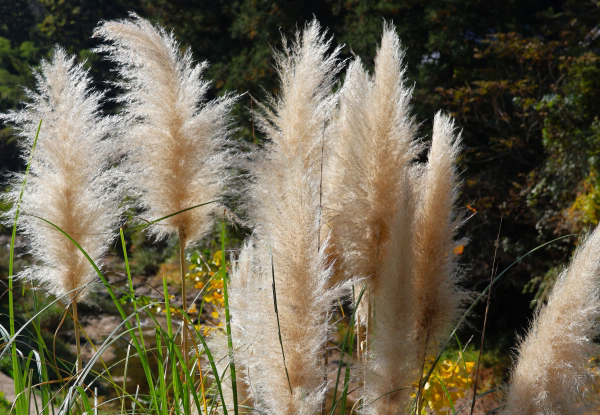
<point>521,78</point>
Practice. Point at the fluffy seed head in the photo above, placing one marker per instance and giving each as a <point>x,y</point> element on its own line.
<point>552,375</point>
<point>285,210</point>
<point>71,183</point>
<point>436,265</point>
<point>393,360</point>
<point>374,148</point>
<point>175,140</point>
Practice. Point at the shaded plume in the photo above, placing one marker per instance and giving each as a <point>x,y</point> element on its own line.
<point>552,374</point>
<point>436,273</point>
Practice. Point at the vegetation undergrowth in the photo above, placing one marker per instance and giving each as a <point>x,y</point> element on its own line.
<point>448,377</point>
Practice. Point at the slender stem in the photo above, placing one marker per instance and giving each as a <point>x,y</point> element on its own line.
<point>184,335</point>
<point>228,322</point>
<point>184,332</point>
<point>485,316</point>
<point>325,364</point>
<point>77,342</point>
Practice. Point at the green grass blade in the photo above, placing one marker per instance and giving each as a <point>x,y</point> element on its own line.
<point>86,403</point>
<point>41,347</point>
<point>189,380</point>
<point>179,387</point>
<point>445,389</point>
<point>347,374</point>
<point>461,355</point>
<point>28,388</point>
<point>131,289</point>
<point>344,347</point>
<point>228,322</point>
<point>8,345</point>
<point>125,376</point>
<point>287,375</point>
<point>152,222</point>
<point>18,384</point>
<point>213,367</point>
<point>140,350</point>
<point>162,389</point>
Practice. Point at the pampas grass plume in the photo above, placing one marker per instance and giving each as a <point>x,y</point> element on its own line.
<point>392,363</point>
<point>71,183</point>
<point>175,140</point>
<point>285,210</point>
<point>552,375</point>
<point>375,146</point>
<point>371,205</point>
<point>436,265</point>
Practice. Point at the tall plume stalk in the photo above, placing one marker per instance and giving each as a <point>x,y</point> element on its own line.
<point>552,375</point>
<point>371,210</point>
<point>438,298</point>
<point>71,183</point>
<point>176,141</point>
<point>285,209</point>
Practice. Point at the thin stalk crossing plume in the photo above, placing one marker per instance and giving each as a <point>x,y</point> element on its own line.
<point>175,141</point>
<point>552,375</point>
<point>71,182</point>
<point>286,256</point>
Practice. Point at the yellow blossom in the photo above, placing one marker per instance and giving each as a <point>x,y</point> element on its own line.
<point>217,258</point>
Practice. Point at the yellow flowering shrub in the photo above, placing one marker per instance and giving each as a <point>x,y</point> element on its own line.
<point>205,275</point>
<point>449,382</point>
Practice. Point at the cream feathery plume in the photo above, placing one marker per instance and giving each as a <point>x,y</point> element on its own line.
<point>285,209</point>
<point>375,146</point>
<point>349,124</point>
<point>436,265</point>
<point>392,363</point>
<point>369,208</point>
<point>552,374</point>
<point>371,202</point>
<point>175,140</point>
<point>71,182</point>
